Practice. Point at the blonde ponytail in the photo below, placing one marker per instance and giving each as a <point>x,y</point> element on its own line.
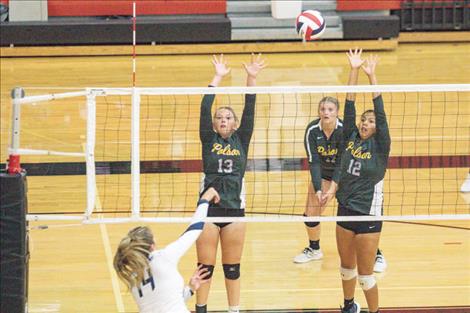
<point>131,259</point>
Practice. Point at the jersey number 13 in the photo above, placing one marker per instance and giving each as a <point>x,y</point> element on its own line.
<point>225,166</point>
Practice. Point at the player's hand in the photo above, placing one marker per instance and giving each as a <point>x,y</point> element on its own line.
<point>255,66</point>
<point>355,59</point>
<point>220,66</point>
<point>211,195</point>
<point>370,64</point>
<point>198,278</point>
<point>329,194</point>
<point>319,195</point>
<point>326,197</point>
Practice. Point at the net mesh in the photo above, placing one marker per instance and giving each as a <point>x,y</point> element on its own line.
<point>113,153</point>
<point>429,159</point>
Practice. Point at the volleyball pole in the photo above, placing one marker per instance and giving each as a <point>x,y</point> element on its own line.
<point>13,165</point>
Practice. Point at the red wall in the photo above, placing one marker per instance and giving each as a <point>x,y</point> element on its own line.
<point>144,7</point>
<point>367,5</point>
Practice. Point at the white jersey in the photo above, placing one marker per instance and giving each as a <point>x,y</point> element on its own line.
<point>162,290</point>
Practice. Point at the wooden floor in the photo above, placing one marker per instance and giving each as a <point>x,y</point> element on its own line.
<point>70,265</point>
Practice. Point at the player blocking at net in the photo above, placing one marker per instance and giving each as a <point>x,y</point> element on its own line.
<point>360,189</point>
<point>323,144</point>
<point>225,144</point>
<point>152,275</point>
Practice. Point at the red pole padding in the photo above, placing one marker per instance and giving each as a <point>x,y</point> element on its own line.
<point>14,164</point>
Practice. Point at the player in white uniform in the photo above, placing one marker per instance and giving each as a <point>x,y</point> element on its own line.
<point>152,275</point>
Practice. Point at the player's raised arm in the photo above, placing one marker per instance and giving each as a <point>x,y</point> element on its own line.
<point>221,69</point>
<point>253,68</point>
<point>355,62</point>
<point>248,118</point>
<point>205,120</point>
<point>178,248</point>
<point>382,130</point>
<point>369,68</point>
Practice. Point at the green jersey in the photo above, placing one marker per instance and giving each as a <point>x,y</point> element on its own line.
<point>224,160</point>
<point>323,153</point>
<point>364,162</point>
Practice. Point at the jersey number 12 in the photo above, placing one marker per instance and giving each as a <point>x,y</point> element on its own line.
<point>354,168</point>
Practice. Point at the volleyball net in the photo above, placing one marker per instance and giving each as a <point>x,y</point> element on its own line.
<point>133,154</point>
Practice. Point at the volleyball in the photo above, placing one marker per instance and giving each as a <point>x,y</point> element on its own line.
<point>310,25</point>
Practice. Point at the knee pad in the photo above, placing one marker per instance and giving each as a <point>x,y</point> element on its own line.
<point>311,224</point>
<point>201,308</point>
<point>367,281</point>
<point>347,274</point>
<point>231,271</point>
<point>210,269</point>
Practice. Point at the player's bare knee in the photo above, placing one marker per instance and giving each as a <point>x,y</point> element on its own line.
<point>367,281</point>
<point>231,271</point>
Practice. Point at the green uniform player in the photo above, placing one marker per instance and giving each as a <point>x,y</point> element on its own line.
<point>364,162</point>
<point>225,144</point>
<point>224,159</point>
<point>323,152</point>
<point>322,141</point>
<point>360,191</point>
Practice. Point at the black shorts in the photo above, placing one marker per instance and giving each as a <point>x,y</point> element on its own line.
<point>327,175</point>
<point>363,227</point>
<point>222,212</point>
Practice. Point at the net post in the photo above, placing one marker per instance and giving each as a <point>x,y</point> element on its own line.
<point>90,152</point>
<point>13,166</point>
<point>135,153</point>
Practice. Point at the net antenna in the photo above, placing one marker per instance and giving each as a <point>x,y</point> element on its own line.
<point>135,128</point>
<point>134,17</point>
